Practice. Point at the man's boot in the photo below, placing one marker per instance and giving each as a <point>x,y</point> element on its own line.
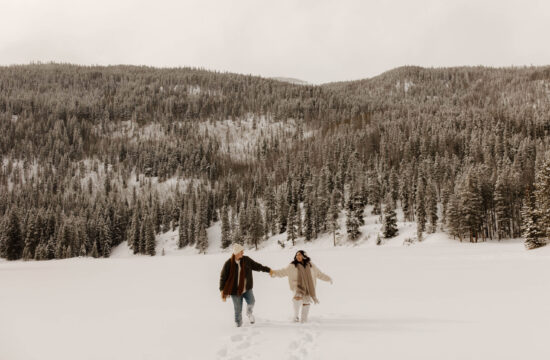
<point>251,317</point>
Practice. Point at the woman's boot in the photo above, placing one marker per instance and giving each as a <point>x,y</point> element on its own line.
<point>305,312</point>
<point>297,304</point>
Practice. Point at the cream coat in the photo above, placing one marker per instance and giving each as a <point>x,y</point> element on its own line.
<point>292,273</point>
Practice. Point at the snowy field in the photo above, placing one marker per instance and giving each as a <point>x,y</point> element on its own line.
<point>435,300</point>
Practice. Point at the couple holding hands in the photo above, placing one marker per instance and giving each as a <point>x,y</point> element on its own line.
<point>236,281</point>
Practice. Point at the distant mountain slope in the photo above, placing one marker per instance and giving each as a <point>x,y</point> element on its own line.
<point>291,80</point>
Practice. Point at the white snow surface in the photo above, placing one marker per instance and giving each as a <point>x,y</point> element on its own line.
<point>438,299</point>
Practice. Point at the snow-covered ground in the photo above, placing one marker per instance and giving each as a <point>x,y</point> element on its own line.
<point>438,299</point>
<point>434,300</point>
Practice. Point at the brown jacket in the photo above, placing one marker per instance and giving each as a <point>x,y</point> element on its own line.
<point>249,265</point>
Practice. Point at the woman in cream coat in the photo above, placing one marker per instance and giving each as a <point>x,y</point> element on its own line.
<point>302,277</point>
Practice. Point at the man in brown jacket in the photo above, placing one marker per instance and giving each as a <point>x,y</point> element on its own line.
<point>236,280</point>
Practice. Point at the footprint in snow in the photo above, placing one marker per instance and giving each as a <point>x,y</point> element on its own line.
<point>237,347</point>
<point>304,344</point>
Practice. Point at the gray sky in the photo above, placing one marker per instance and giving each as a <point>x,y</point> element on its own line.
<point>313,40</point>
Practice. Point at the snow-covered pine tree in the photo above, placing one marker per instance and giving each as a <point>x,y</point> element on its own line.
<point>321,206</point>
<point>431,203</point>
<point>405,201</point>
<point>375,193</point>
<point>106,238</point>
<point>133,239</point>
<point>291,225</point>
<point>31,239</point>
<point>226,229</point>
<point>256,224</point>
<point>332,216</point>
<point>502,210</point>
<point>282,208</point>
<point>454,217</point>
<point>95,252</point>
<point>394,187</point>
<point>421,205</point>
<point>390,222</point>
<point>191,226</point>
<point>270,211</point>
<point>445,196</point>
<point>13,240</point>
<point>470,203</point>
<point>142,236</point>
<point>542,196</point>
<point>534,236</point>
<point>308,213</point>
<point>156,215</point>
<point>50,248</point>
<point>236,233</point>
<point>358,207</point>
<point>150,241</point>
<point>82,252</point>
<point>183,231</point>
<point>352,222</point>
<point>202,239</point>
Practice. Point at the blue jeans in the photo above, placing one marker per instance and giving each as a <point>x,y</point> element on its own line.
<point>238,305</point>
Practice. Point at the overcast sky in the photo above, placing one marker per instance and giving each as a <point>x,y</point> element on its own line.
<point>313,40</point>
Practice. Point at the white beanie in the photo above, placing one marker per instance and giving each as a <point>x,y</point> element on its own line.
<point>237,248</point>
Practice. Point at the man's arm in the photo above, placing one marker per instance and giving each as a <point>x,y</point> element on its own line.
<point>225,274</point>
<point>258,267</point>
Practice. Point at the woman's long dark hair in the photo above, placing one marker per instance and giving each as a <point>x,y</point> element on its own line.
<point>305,261</point>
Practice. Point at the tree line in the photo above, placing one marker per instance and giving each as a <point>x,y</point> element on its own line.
<point>457,149</point>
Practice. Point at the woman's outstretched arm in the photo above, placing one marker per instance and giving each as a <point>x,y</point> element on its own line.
<point>321,275</point>
<point>281,273</point>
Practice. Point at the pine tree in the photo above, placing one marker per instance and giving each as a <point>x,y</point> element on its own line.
<point>394,188</point>
<point>454,216</point>
<point>431,203</point>
<point>308,214</point>
<point>191,227</point>
<point>291,225</point>
<point>359,208</point>
<point>95,252</point>
<point>142,237</point>
<point>375,194</point>
<point>32,239</point>
<point>134,231</point>
<point>542,196</point>
<point>421,205</point>
<point>390,222</point>
<point>332,216</point>
<point>183,239</point>
<point>226,229</point>
<point>202,239</point>
<point>236,235</point>
<point>502,210</point>
<point>107,239</point>
<point>352,222</point>
<point>150,241</point>
<point>13,240</point>
<point>282,206</point>
<point>256,226</point>
<point>82,251</point>
<point>534,236</point>
<point>50,248</point>
<point>470,203</point>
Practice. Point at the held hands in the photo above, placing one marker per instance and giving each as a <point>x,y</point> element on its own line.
<point>270,272</point>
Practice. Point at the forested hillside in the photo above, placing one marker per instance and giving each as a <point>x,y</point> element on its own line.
<point>93,156</point>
